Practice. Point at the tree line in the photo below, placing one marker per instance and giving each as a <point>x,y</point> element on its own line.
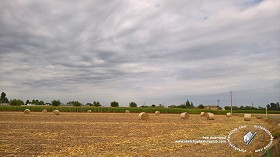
<point>271,106</point>
<point>18,102</point>
<point>187,105</point>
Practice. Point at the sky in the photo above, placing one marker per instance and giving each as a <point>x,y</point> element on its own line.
<point>148,51</point>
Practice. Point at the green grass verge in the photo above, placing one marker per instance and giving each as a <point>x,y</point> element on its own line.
<point>122,109</point>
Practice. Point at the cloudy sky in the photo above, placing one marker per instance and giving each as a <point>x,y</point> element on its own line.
<point>147,51</point>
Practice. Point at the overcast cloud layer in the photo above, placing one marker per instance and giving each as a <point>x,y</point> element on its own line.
<point>144,51</point>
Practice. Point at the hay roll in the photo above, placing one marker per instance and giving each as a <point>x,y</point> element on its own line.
<point>44,110</point>
<point>127,111</point>
<point>202,114</point>
<point>184,115</point>
<point>88,111</point>
<point>56,112</point>
<point>247,117</point>
<point>157,113</point>
<point>143,116</point>
<point>26,111</point>
<point>228,114</point>
<point>209,116</point>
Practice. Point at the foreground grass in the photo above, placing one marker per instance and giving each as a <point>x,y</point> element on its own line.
<point>123,109</point>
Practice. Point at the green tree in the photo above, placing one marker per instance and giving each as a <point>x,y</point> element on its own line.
<point>36,102</point>
<point>144,106</point>
<point>182,106</point>
<point>227,107</point>
<point>96,103</point>
<point>89,104</point>
<point>161,106</point>
<point>268,106</point>
<point>56,102</point>
<point>273,106</point>
<point>16,102</point>
<point>3,95</point>
<point>132,104</point>
<point>189,104</point>
<point>114,104</point>
<point>261,108</point>
<point>3,98</point>
<point>235,108</point>
<point>27,102</point>
<point>75,103</point>
<point>200,106</point>
<point>41,103</point>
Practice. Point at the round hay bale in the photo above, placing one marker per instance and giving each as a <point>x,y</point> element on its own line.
<point>202,114</point>
<point>127,111</point>
<point>209,116</point>
<point>157,113</point>
<point>247,117</point>
<point>26,111</point>
<point>143,116</point>
<point>56,112</point>
<point>184,115</point>
<point>88,111</point>
<point>44,110</point>
<point>228,114</point>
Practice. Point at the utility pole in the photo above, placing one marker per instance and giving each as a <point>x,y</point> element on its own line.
<point>266,112</point>
<point>218,102</point>
<point>231,101</point>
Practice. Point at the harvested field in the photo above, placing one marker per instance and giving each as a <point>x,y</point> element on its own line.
<point>115,134</point>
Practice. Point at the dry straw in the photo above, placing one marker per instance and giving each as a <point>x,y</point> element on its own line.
<point>202,114</point>
<point>228,114</point>
<point>26,111</point>
<point>157,113</point>
<point>184,115</point>
<point>44,110</point>
<point>247,117</point>
<point>88,111</point>
<point>127,111</point>
<point>56,112</point>
<point>143,116</point>
<point>209,116</point>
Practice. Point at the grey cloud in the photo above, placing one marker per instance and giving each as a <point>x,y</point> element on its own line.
<point>145,49</point>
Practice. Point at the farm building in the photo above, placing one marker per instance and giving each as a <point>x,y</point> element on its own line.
<point>4,104</point>
<point>212,107</point>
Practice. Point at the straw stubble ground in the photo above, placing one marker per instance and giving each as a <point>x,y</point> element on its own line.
<point>114,134</point>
